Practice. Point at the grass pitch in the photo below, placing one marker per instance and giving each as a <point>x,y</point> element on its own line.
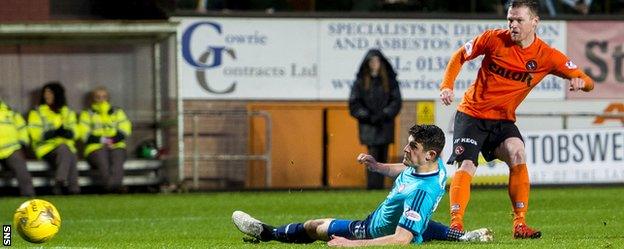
<point>575,217</point>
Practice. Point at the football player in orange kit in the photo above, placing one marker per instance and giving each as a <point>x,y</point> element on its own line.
<point>515,60</point>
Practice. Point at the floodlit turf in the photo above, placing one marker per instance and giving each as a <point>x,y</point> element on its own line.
<point>575,217</point>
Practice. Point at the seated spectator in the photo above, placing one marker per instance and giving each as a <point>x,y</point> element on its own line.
<point>105,129</point>
<point>52,127</point>
<point>14,137</point>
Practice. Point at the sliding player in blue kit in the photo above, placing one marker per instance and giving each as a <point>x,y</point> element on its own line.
<point>402,218</point>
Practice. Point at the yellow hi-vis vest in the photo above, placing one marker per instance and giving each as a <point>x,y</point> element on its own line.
<point>103,120</point>
<point>43,119</point>
<point>12,131</point>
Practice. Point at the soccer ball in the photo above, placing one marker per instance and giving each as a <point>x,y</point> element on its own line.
<point>37,221</point>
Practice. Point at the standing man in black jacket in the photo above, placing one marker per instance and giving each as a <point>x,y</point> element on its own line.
<point>375,101</point>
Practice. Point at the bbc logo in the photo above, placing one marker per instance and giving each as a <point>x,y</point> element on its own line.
<point>6,235</point>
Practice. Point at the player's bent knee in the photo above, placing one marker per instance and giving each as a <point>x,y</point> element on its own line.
<point>512,151</point>
<point>467,163</point>
<point>317,228</point>
<point>311,225</point>
<point>468,166</point>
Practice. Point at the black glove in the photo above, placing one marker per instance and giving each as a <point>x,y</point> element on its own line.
<point>118,137</point>
<point>62,132</point>
<point>93,139</point>
<point>49,134</point>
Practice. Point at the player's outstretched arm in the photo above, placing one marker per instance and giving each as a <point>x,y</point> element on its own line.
<point>565,68</point>
<point>401,236</point>
<point>450,73</point>
<point>387,169</point>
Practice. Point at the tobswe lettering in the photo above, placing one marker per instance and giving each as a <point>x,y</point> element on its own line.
<point>512,75</point>
<point>575,147</point>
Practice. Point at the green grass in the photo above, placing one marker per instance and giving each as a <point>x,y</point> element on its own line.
<point>576,217</point>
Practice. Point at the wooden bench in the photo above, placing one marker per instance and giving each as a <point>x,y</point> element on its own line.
<point>136,173</point>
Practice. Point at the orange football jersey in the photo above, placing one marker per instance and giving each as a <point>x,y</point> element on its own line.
<point>507,74</point>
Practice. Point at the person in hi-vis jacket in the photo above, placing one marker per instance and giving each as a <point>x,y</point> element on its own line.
<point>14,137</point>
<point>105,129</point>
<point>53,129</point>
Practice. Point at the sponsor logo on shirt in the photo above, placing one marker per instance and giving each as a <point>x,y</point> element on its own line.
<point>524,77</point>
<point>412,215</point>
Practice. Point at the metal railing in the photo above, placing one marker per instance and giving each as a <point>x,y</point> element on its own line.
<point>198,155</point>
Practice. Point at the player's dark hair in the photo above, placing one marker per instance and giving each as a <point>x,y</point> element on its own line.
<point>430,136</point>
<point>531,4</point>
<point>59,95</point>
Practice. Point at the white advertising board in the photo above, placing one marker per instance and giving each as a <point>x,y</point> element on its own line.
<point>235,58</point>
<point>419,51</point>
<point>317,59</point>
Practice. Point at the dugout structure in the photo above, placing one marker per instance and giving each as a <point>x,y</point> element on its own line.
<point>135,61</point>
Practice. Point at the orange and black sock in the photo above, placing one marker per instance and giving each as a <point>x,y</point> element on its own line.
<point>519,188</point>
<point>459,196</point>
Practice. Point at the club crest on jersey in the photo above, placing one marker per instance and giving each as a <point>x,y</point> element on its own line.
<point>571,65</point>
<point>531,65</point>
<point>412,215</point>
<point>459,150</point>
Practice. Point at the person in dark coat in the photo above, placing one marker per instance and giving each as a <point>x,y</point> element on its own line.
<point>375,101</point>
